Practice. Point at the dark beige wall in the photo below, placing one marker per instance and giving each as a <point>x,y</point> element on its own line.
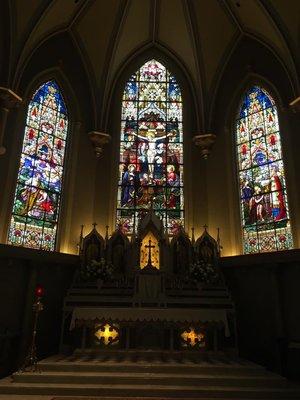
<point>265,289</point>
<point>20,271</point>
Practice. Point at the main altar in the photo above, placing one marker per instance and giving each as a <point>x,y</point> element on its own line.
<point>148,292</point>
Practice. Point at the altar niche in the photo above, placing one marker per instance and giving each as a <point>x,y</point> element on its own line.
<point>118,252</point>
<point>149,291</point>
<point>151,233</point>
<point>149,252</point>
<point>92,247</point>
<point>181,253</point>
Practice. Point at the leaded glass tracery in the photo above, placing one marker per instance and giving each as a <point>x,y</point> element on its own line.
<point>151,149</point>
<point>264,203</point>
<point>39,183</point>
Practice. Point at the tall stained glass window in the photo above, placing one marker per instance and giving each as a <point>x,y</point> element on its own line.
<point>151,149</point>
<point>37,197</point>
<point>264,204</point>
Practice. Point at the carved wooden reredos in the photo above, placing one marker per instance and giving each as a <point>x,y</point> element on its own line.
<point>172,255</point>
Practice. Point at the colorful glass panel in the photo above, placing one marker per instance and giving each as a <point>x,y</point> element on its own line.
<point>37,197</point>
<point>264,203</point>
<point>151,149</point>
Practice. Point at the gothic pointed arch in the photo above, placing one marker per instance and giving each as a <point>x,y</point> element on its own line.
<point>37,198</point>
<point>261,174</point>
<point>181,250</point>
<point>151,149</point>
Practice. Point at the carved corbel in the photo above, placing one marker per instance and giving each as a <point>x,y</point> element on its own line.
<point>8,100</point>
<point>99,139</point>
<point>205,143</point>
<point>295,105</point>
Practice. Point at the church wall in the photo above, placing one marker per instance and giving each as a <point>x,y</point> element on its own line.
<point>291,124</point>
<point>20,272</point>
<point>265,290</point>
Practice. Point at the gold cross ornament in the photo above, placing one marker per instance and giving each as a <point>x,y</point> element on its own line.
<point>108,334</point>
<point>191,337</point>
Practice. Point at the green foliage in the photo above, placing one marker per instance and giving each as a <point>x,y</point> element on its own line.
<point>205,273</point>
<point>97,270</point>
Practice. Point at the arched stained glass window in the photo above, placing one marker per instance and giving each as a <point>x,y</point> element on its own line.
<point>264,204</point>
<point>37,197</point>
<point>151,149</point>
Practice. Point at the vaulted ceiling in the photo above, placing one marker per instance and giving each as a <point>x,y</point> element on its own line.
<point>202,34</point>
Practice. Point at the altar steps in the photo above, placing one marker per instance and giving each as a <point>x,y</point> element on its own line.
<point>115,376</point>
<point>154,391</point>
<point>148,378</point>
<point>132,361</point>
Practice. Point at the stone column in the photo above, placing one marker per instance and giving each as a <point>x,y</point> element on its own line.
<point>8,100</point>
<point>67,234</point>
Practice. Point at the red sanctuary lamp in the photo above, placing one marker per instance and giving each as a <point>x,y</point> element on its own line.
<point>31,361</point>
<point>39,291</point>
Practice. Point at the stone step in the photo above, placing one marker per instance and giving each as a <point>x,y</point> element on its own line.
<point>46,397</point>
<point>162,379</point>
<point>140,391</point>
<point>154,357</point>
<point>139,367</point>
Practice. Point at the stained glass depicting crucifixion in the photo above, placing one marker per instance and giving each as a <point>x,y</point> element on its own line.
<point>39,183</point>
<point>151,149</point>
<point>264,203</point>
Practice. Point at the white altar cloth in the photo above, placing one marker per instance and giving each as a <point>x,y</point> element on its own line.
<point>149,314</point>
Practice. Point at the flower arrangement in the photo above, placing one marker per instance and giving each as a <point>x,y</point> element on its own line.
<point>97,270</point>
<point>204,273</point>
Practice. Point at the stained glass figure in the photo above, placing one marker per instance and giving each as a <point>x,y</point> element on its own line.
<point>264,203</point>
<point>151,149</point>
<point>39,183</point>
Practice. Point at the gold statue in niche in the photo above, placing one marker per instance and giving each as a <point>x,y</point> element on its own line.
<point>149,251</point>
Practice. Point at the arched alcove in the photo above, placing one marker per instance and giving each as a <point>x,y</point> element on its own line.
<point>105,201</point>
<point>151,149</point>
<point>242,71</point>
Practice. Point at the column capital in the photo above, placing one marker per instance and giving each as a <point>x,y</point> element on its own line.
<point>99,139</point>
<point>205,142</point>
<point>8,98</point>
<point>295,105</point>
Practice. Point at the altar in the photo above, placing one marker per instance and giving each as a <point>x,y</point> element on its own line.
<point>149,292</point>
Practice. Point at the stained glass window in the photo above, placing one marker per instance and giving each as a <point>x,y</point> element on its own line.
<point>264,203</point>
<point>151,149</point>
<point>37,197</point>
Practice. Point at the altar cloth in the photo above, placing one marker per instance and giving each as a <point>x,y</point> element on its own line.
<point>126,314</point>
